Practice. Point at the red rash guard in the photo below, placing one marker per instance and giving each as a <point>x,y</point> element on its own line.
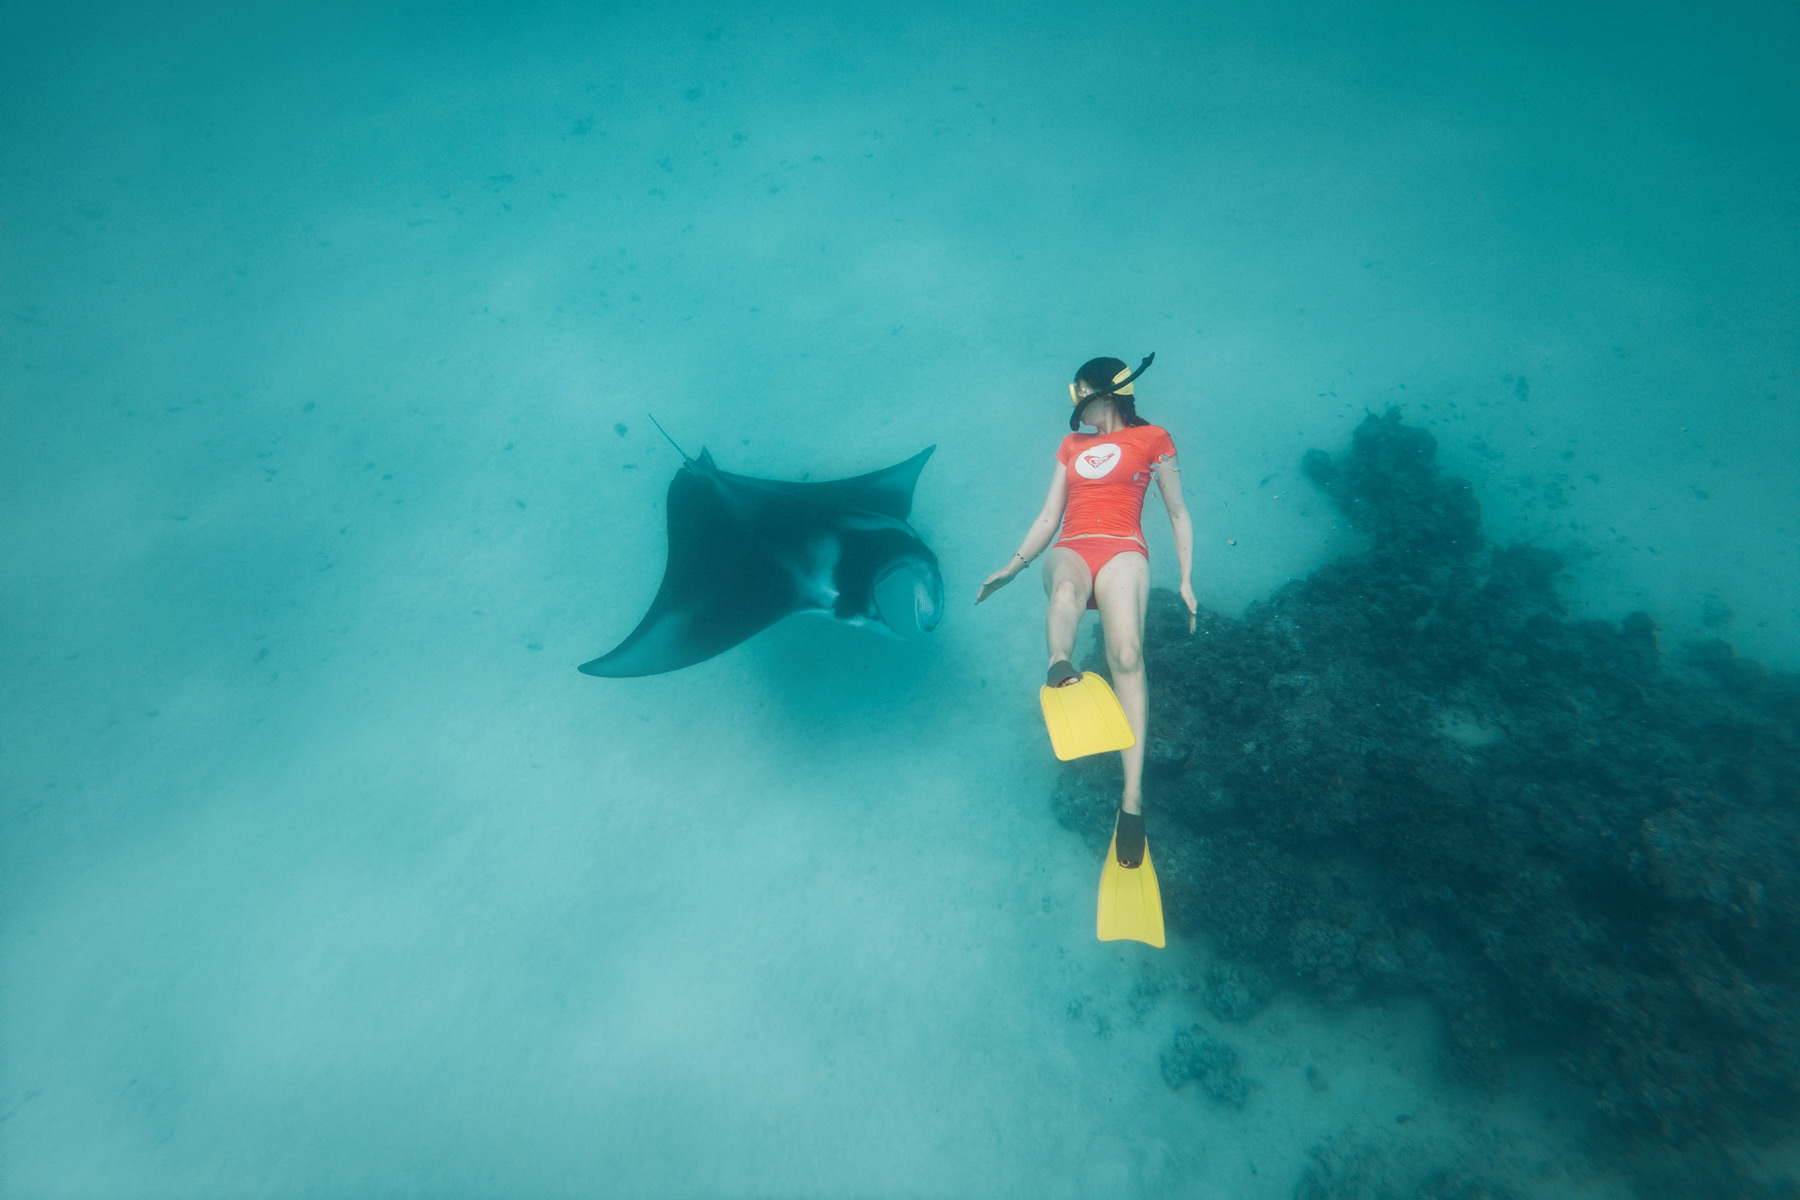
<point>1108,474</point>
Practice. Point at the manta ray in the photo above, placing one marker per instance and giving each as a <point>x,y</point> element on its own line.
<point>746,552</point>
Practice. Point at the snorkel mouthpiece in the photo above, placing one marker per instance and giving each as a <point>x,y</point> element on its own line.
<point>1082,390</point>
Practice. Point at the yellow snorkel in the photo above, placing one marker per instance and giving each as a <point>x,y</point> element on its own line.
<point>1082,390</point>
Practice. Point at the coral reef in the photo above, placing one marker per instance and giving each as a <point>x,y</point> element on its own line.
<point>1413,770</point>
<point>1347,1169</point>
<point>1197,1055</point>
<point>1237,991</point>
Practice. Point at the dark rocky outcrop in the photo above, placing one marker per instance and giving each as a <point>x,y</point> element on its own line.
<point>1413,770</point>
<point>1196,1055</point>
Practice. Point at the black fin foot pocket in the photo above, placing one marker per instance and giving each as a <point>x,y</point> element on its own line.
<point>1129,838</point>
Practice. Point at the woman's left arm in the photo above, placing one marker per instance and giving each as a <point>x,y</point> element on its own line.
<point>1168,482</point>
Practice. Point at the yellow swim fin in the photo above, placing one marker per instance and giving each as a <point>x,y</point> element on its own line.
<point>1130,901</point>
<point>1084,718</point>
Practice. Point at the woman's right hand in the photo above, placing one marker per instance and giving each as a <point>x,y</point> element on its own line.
<point>999,579</point>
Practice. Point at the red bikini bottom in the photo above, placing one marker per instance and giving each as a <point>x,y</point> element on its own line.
<point>1096,552</point>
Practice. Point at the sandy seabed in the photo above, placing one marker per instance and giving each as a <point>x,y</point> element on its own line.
<point>327,341</point>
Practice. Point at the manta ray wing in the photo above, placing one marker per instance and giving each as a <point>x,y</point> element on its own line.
<point>888,491</point>
<point>721,585</point>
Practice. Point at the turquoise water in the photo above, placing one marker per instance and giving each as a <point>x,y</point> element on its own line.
<point>327,343</point>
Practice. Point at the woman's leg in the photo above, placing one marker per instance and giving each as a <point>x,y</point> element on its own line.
<point>1122,591</point>
<point>1068,583</point>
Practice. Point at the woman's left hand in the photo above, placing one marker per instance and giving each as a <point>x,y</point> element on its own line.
<point>999,579</point>
<point>1187,598</point>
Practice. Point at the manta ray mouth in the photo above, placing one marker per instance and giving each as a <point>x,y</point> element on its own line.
<point>906,601</point>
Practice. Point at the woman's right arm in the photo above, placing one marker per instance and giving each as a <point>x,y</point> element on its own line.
<point>1036,538</point>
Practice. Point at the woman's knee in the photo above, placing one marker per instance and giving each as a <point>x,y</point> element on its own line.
<point>1066,592</point>
<point>1125,658</point>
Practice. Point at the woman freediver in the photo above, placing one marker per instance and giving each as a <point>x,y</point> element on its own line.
<point>1101,560</point>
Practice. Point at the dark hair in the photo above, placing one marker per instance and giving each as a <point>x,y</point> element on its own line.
<point>1098,374</point>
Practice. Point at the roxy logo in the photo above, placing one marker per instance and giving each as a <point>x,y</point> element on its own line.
<point>1096,461</point>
